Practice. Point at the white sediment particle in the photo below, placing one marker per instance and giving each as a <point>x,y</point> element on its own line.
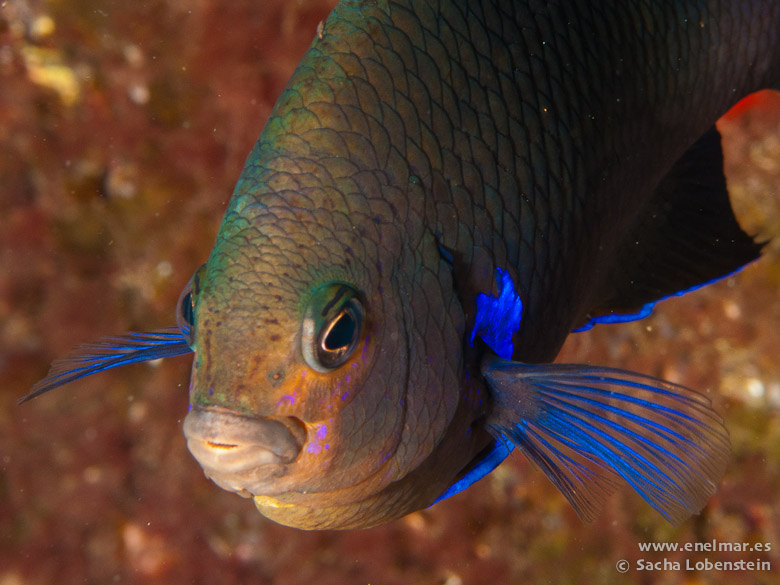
<point>755,388</point>
<point>732,310</point>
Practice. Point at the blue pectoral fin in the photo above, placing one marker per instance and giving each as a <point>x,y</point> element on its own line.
<point>588,427</point>
<point>486,463</point>
<point>108,353</point>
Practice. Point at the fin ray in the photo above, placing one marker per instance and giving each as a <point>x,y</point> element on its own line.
<point>108,353</point>
<point>587,427</point>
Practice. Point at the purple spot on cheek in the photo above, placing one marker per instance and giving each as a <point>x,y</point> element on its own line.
<point>288,399</point>
<point>344,396</point>
<point>315,446</point>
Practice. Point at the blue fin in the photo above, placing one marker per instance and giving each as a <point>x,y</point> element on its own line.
<point>498,318</point>
<point>499,451</point>
<point>647,308</point>
<point>108,353</point>
<point>588,427</point>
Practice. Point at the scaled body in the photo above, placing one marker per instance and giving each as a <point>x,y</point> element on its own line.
<point>443,184</point>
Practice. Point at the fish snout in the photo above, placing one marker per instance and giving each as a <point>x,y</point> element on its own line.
<point>242,453</point>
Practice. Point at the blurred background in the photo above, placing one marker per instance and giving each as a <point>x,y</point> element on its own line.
<point>123,128</point>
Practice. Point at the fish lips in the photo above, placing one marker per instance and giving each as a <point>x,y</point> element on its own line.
<point>241,453</point>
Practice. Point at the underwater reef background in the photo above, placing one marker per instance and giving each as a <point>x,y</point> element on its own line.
<point>123,128</point>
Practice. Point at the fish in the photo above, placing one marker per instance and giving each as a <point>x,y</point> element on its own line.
<point>444,192</point>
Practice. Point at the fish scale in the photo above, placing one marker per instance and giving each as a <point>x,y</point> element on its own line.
<point>443,191</point>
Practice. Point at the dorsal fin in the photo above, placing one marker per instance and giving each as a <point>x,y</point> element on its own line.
<point>687,237</point>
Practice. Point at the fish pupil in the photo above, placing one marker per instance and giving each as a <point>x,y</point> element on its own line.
<point>186,309</point>
<point>339,337</point>
<point>185,315</point>
<point>341,333</point>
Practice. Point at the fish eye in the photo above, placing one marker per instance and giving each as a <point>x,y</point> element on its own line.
<point>338,339</point>
<point>185,313</point>
<point>185,309</point>
<point>331,327</point>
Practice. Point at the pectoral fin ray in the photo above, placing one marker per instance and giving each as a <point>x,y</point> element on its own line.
<point>108,353</point>
<point>590,428</point>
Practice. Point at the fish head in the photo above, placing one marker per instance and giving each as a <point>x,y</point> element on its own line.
<point>303,392</point>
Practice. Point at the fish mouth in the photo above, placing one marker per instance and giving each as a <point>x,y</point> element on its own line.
<point>241,453</point>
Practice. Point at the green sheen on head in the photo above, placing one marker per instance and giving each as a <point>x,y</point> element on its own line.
<point>326,308</point>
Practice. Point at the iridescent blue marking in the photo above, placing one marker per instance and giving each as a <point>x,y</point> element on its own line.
<point>499,452</point>
<point>445,254</point>
<point>645,311</point>
<point>647,308</point>
<point>498,319</point>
